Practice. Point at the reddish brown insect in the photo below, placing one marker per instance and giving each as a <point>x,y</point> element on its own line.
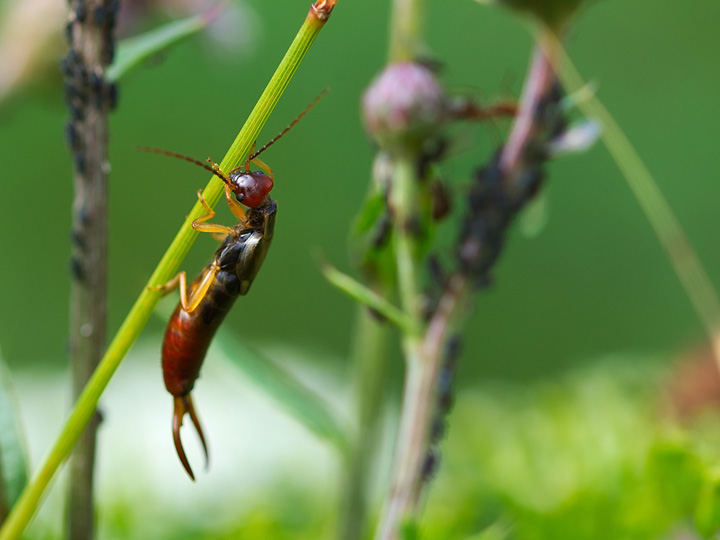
<point>229,274</point>
<point>205,303</point>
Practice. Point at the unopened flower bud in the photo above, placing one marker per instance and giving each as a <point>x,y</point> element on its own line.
<point>404,105</point>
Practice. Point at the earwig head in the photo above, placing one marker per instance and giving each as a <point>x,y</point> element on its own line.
<point>184,404</point>
<point>250,188</point>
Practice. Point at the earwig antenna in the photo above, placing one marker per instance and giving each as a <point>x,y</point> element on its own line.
<point>290,125</point>
<point>215,169</point>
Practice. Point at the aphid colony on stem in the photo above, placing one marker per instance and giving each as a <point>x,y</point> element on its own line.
<point>229,274</point>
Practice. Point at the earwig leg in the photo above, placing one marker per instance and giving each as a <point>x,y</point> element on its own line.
<point>191,411</point>
<point>191,302</point>
<point>178,281</point>
<point>246,165</point>
<point>235,207</point>
<point>264,167</point>
<point>201,290</point>
<point>199,223</point>
<point>211,227</point>
<point>210,212</point>
<point>178,413</point>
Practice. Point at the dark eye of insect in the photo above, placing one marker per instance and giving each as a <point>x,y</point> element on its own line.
<point>251,188</point>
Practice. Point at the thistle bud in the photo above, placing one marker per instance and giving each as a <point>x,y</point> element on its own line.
<point>403,106</point>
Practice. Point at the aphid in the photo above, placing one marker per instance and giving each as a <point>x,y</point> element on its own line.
<point>204,304</point>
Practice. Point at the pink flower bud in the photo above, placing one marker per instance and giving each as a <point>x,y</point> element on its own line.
<point>403,106</point>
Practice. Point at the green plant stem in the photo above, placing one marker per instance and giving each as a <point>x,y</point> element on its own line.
<point>405,203</point>
<point>405,30</point>
<point>412,437</point>
<point>369,360</point>
<point>683,257</point>
<point>139,314</point>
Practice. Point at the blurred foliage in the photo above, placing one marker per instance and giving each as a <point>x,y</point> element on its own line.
<point>543,287</point>
<point>132,52</point>
<point>594,455</point>
<point>591,455</point>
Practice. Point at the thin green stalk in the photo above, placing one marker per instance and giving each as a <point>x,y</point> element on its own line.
<point>139,314</point>
<point>405,30</point>
<point>369,361</point>
<point>404,202</point>
<point>410,446</point>
<point>690,271</point>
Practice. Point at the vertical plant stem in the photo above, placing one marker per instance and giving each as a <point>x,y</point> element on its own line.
<point>403,45</point>
<point>404,206</point>
<point>369,359</point>
<point>405,30</point>
<point>540,77</point>
<point>411,441</point>
<point>92,42</point>
<point>139,314</point>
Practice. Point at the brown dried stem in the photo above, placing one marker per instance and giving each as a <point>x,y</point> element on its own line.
<point>89,99</point>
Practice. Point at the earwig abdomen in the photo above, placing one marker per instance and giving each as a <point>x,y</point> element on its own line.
<point>190,330</point>
<point>188,336</point>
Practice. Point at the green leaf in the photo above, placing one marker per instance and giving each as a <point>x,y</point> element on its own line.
<point>298,400</point>
<point>135,50</point>
<point>369,298</point>
<point>13,461</point>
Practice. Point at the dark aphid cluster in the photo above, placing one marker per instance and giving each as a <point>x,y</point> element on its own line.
<point>497,195</point>
<point>445,400</point>
<point>85,88</point>
<point>407,110</point>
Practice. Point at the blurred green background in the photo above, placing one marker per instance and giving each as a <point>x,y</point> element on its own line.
<point>593,282</point>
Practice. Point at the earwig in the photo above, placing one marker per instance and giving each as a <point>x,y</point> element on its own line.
<point>230,273</point>
<point>204,304</point>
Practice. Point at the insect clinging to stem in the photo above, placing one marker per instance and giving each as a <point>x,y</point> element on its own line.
<point>229,274</point>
